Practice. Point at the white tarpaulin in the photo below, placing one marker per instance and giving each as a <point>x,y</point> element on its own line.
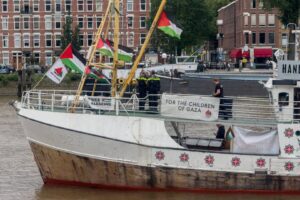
<point>190,107</point>
<point>248,141</point>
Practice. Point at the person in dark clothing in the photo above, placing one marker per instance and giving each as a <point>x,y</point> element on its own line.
<point>142,90</point>
<point>221,131</point>
<point>153,90</point>
<point>219,92</point>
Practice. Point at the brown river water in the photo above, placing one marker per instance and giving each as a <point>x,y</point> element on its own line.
<point>20,178</point>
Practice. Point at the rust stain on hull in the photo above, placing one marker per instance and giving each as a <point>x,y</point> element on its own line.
<point>64,167</point>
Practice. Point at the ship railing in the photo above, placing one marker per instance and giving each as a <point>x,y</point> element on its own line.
<point>242,109</point>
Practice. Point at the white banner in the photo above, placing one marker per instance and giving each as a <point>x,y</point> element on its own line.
<point>288,69</point>
<point>101,103</point>
<point>190,107</point>
<point>57,72</point>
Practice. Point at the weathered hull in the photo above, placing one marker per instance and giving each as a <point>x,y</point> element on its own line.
<point>60,167</point>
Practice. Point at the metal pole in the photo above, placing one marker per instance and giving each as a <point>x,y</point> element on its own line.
<point>116,46</point>
<point>147,40</point>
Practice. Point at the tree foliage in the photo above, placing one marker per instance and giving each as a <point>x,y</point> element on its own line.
<point>70,35</point>
<point>197,18</point>
<point>289,9</point>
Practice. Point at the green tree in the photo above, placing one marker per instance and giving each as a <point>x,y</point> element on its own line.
<point>70,35</point>
<point>289,16</point>
<point>197,18</point>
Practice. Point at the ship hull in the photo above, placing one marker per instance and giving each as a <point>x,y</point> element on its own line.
<point>78,158</point>
<point>64,168</point>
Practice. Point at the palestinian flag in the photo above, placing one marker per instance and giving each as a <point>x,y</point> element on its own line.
<point>165,25</point>
<point>124,53</point>
<point>104,48</point>
<point>72,59</point>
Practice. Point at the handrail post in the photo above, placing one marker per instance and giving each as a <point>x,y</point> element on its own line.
<point>52,102</point>
<point>117,105</point>
<point>40,100</point>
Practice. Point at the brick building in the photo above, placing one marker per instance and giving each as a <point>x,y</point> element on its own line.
<point>244,24</point>
<point>31,29</point>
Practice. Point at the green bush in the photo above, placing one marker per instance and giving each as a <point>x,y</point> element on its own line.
<point>74,76</point>
<point>12,77</point>
<point>4,81</point>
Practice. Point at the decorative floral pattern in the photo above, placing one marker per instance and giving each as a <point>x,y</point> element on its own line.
<point>209,160</point>
<point>236,162</point>
<point>159,155</point>
<point>289,149</point>
<point>261,162</point>
<point>184,157</point>
<point>289,166</point>
<point>289,132</point>
<point>208,113</point>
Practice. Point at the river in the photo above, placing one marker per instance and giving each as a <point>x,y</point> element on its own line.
<point>20,178</point>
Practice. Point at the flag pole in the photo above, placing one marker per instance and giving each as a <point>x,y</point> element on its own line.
<point>143,49</point>
<point>84,75</point>
<point>116,46</point>
<point>39,81</point>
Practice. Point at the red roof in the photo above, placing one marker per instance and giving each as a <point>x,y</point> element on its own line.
<point>263,52</point>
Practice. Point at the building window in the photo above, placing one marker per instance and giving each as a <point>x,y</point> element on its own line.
<point>89,39</point>
<point>48,22</point>
<point>142,5</point>
<point>253,20</point>
<point>4,5</point>
<point>89,5</point>
<point>48,58</point>
<point>81,40</point>
<point>5,23</point>
<point>283,99</point>
<point>17,23</point>
<point>57,40</point>
<point>80,5</point>
<point>130,21</point>
<point>272,38</point>
<point>129,5</point>
<point>26,7</point>
<point>98,21</point>
<point>260,4</point>
<point>26,25</point>
<point>58,22</point>
<point>99,5</point>
<point>68,5</point>
<point>36,5</point>
<point>48,40</point>
<point>262,19</point>
<point>17,41</point>
<point>58,5</point>
<point>142,22</point>
<point>36,22</point>
<point>253,4</point>
<point>142,38</point>
<point>130,40</point>
<point>48,5</point>
<point>284,39</point>
<point>16,5</point>
<point>262,38</point>
<point>271,20</point>
<point>80,22</point>
<point>253,38</point>
<point>36,40</point>
<point>5,57</point>
<point>26,40</point>
<point>36,58</point>
<point>246,38</point>
<point>246,20</point>
<point>5,41</point>
<point>90,22</point>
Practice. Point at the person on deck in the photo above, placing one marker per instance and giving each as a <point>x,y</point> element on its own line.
<point>142,90</point>
<point>221,131</point>
<point>219,92</point>
<point>153,90</point>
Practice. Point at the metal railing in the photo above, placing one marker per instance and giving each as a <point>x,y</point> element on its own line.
<point>231,110</point>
